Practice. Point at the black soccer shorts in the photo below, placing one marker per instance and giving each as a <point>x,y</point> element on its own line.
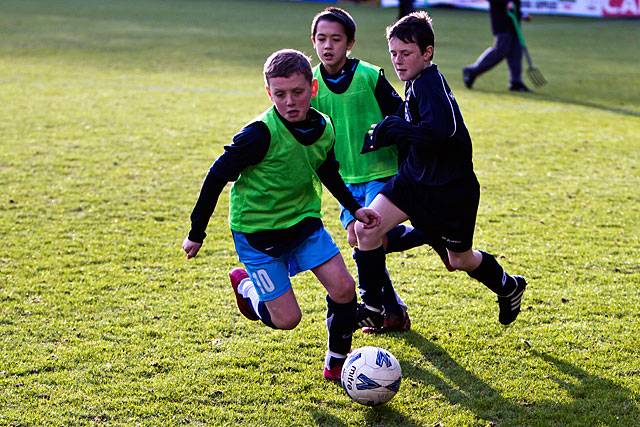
<point>448,211</point>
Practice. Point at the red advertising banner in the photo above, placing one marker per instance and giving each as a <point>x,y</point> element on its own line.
<point>621,8</point>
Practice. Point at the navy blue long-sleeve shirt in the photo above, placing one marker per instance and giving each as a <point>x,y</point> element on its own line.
<point>432,131</point>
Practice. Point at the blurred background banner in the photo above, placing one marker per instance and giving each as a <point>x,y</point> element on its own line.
<point>591,8</point>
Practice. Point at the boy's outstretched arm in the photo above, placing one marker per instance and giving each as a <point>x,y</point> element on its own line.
<point>202,211</point>
<point>249,147</point>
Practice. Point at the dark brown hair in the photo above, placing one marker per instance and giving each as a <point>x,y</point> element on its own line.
<point>414,28</point>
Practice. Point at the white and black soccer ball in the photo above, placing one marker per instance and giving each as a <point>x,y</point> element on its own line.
<point>371,375</point>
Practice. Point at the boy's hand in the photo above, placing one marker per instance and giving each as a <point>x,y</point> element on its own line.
<point>369,141</point>
<point>191,248</point>
<point>369,217</point>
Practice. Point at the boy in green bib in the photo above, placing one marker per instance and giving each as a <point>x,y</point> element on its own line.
<point>279,162</point>
<point>356,94</point>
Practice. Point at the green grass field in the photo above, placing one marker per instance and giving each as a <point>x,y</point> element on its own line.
<point>110,115</point>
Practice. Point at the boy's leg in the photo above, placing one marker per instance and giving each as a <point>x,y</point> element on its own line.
<point>283,312</point>
<point>391,301</point>
<point>321,255</point>
<point>404,236</point>
<point>457,208</point>
<point>264,291</point>
<point>341,312</point>
<point>370,256</point>
<point>484,267</point>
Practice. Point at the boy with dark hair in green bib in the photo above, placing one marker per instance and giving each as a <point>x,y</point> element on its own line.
<point>356,94</point>
<point>278,162</point>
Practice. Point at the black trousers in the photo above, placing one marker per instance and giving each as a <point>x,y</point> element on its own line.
<point>507,46</point>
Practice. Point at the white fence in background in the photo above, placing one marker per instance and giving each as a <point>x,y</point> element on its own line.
<point>590,8</point>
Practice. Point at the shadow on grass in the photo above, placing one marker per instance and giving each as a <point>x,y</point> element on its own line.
<point>589,104</point>
<point>383,415</point>
<point>459,386</point>
<point>593,400</point>
<point>323,418</point>
<point>543,96</point>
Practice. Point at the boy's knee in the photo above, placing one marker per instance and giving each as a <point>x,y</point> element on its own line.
<point>287,322</point>
<point>344,292</point>
<point>367,236</point>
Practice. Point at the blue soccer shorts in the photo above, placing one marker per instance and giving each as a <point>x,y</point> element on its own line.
<point>364,193</point>
<point>271,275</point>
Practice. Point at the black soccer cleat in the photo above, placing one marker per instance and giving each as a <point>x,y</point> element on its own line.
<point>393,322</point>
<point>519,87</point>
<point>366,317</point>
<point>468,78</point>
<point>510,304</point>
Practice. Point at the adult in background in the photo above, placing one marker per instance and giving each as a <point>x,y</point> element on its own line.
<point>405,7</point>
<point>506,45</point>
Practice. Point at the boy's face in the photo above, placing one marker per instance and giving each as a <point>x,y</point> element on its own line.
<point>292,95</point>
<point>331,45</point>
<point>407,59</point>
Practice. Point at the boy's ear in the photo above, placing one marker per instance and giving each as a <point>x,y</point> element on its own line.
<point>350,45</point>
<point>268,91</point>
<point>314,88</point>
<point>428,53</point>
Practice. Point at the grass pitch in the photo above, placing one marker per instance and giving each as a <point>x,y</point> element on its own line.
<point>111,113</point>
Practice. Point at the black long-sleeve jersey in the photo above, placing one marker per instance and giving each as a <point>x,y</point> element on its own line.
<point>432,131</point>
<point>388,99</point>
<point>250,145</point>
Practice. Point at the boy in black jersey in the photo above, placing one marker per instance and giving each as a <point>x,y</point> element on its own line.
<point>356,94</point>
<point>436,187</point>
<point>277,162</point>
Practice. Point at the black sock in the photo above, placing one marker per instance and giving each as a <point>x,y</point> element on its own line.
<point>403,237</point>
<point>372,276</point>
<point>264,315</point>
<point>340,325</point>
<point>491,274</point>
<point>389,300</point>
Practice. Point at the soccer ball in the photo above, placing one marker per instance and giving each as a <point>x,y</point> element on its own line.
<point>371,375</point>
